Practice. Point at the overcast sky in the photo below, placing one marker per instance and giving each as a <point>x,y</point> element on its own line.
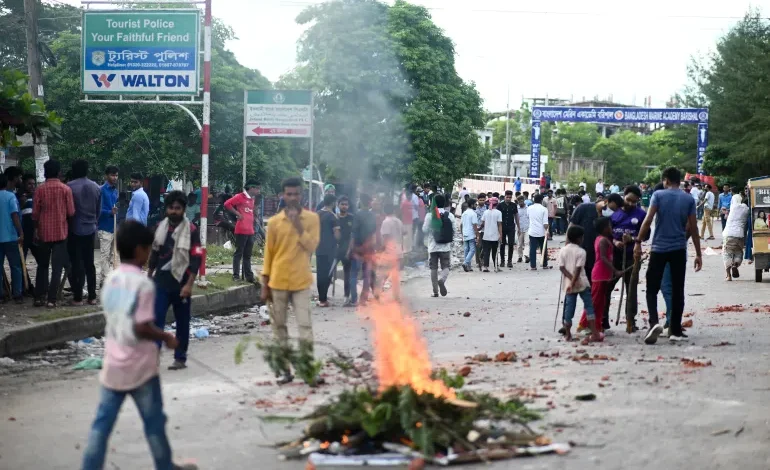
<point>562,48</point>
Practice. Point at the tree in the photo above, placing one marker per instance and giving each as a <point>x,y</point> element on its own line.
<point>733,83</point>
<point>389,102</point>
<point>445,110</point>
<point>20,113</point>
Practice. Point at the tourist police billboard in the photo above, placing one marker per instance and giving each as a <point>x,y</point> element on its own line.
<point>140,52</point>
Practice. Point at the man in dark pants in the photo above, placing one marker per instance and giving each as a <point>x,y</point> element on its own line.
<point>675,209</point>
<point>52,206</point>
<point>174,262</point>
<point>326,251</point>
<point>242,206</point>
<point>510,213</point>
<point>87,197</point>
<point>345,221</point>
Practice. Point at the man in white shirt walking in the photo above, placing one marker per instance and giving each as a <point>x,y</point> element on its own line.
<point>470,228</point>
<point>523,227</point>
<point>599,187</point>
<point>538,228</point>
<point>492,224</point>
<point>439,243</point>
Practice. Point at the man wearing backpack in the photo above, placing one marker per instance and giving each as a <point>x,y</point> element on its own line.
<point>439,228</point>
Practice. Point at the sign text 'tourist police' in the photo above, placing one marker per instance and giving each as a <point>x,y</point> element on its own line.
<point>149,52</point>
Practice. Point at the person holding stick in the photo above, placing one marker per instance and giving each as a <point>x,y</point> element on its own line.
<point>108,222</point>
<point>626,222</point>
<point>572,260</point>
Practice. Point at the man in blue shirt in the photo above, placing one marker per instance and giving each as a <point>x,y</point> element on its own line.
<point>724,204</point>
<point>674,213</point>
<point>139,206</point>
<point>107,221</point>
<point>517,184</point>
<point>10,235</point>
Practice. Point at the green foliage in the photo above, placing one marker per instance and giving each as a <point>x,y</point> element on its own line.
<point>20,113</point>
<point>575,178</point>
<point>431,423</point>
<point>733,83</point>
<point>281,357</point>
<point>452,381</point>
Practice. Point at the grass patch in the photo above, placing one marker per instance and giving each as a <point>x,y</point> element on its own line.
<point>217,255</point>
<point>217,283</point>
<point>65,312</point>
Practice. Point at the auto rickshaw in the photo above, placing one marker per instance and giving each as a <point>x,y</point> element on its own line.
<point>759,196</point>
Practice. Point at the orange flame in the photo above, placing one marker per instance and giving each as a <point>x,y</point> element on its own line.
<point>401,354</point>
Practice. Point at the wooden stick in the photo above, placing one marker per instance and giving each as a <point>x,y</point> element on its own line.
<point>6,284</point>
<point>556,318</point>
<point>114,240</point>
<point>622,287</point>
<point>24,273</point>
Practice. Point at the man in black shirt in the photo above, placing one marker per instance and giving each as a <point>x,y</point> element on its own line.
<point>510,213</point>
<point>361,251</point>
<point>345,221</point>
<point>175,260</point>
<point>326,251</point>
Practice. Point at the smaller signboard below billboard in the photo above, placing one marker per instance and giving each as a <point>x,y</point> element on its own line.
<point>140,52</point>
<point>278,113</point>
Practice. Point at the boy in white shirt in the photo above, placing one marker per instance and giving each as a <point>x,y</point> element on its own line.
<point>492,225</point>
<point>130,353</point>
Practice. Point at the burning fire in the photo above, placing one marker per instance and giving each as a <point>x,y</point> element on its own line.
<point>401,355</point>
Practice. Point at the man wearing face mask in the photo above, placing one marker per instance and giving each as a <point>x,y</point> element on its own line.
<point>174,263</point>
<point>626,222</point>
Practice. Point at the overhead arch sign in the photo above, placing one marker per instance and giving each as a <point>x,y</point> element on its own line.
<point>140,52</point>
<point>695,116</point>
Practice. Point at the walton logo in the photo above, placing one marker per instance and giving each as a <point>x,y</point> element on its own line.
<point>103,80</point>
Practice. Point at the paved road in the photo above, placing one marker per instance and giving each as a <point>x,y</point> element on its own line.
<point>651,410</point>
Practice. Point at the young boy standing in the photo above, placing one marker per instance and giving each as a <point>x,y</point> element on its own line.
<point>572,260</point>
<point>130,354</point>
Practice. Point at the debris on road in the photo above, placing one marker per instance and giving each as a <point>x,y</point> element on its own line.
<point>92,363</point>
<point>695,363</point>
<point>727,308</point>
<point>586,397</point>
<point>503,356</point>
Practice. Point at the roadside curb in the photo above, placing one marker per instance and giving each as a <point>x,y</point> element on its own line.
<point>26,339</point>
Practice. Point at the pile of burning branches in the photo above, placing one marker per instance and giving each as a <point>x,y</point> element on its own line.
<point>411,414</point>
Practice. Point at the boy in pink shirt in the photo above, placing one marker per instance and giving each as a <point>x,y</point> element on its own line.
<point>130,353</point>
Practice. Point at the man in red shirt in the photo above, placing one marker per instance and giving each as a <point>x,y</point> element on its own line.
<point>242,206</point>
<point>52,206</point>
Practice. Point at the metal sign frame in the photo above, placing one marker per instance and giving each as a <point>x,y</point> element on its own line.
<point>311,135</point>
<point>204,128</point>
<point>616,115</point>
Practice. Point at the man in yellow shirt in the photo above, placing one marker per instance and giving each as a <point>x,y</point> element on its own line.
<point>292,237</point>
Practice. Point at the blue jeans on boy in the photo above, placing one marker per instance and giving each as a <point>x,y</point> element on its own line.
<point>666,288</point>
<point>469,248</point>
<point>356,266</point>
<point>570,304</point>
<point>10,250</point>
<point>164,298</point>
<point>149,402</point>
